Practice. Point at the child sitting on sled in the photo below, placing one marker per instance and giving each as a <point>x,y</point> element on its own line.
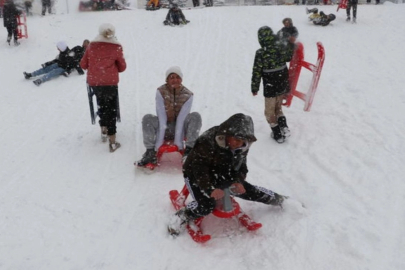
<point>175,16</point>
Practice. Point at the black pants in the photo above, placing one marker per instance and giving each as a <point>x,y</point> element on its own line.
<point>107,103</point>
<point>12,30</point>
<point>349,6</point>
<point>276,83</point>
<point>203,204</point>
<point>196,3</point>
<point>46,4</point>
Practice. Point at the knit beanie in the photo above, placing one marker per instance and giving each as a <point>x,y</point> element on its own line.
<point>288,20</point>
<point>176,70</point>
<point>61,45</point>
<point>107,30</point>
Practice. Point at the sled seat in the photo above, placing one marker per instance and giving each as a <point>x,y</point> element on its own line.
<point>167,147</point>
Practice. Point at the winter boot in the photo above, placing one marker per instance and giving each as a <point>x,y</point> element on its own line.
<point>348,19</point>
<point>313,10</point>
<point>185,153</point>
<point>276,134</point>
<point>114,145</point>
<point>148,157</point>
<point>37,82</point>
<point>354,20</point>
<point>282,123</point>
<point>16,43</point>
<point>104,134</point>
<point>27,75</point>
<point>8,40</point>
<point>178,222</point>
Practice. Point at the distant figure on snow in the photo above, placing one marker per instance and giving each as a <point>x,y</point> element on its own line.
<point>320,18</point>
<point>28,7</point>
<point>289,32</point>
<point>175,16</point>
<point>10,13</point>
<point>46,5</point>
<point>351,4</point>
<point>153,5</point>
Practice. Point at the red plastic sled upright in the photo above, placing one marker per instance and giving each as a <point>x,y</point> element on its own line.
<point>22,26</point>
<point>342,5</point>
<point>297,62</point>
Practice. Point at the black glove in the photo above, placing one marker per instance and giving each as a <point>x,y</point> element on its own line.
<point>80,70</point>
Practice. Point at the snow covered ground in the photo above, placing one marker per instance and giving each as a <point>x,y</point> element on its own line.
<point>67,203</point>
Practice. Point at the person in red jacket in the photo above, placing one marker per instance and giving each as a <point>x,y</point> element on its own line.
<point>104,59</point>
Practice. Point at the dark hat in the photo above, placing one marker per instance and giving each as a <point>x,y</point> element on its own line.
<point>287,20</point>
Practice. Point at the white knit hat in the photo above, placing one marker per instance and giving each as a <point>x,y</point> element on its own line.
<point>107,30</point>
<point>176,70</point>
<point>61,45</point>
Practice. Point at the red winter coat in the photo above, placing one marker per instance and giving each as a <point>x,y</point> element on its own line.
<point>104,60</point>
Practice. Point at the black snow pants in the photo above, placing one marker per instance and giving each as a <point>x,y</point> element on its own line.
<point>107,103</point>
<point>203,204</point>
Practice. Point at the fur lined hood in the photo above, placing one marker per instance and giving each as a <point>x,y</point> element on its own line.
<point>106,33</point>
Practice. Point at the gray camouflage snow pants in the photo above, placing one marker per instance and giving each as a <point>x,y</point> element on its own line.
<point>150,127</point>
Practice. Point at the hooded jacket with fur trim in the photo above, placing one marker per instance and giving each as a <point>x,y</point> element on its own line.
<point>212,164</point>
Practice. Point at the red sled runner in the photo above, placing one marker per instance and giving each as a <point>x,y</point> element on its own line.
<point>226,208</point>
<point>297,62</point>
<point>342,5</point>
<point>22,26</point>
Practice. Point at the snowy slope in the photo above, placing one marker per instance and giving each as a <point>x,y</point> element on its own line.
<point>67,203</point>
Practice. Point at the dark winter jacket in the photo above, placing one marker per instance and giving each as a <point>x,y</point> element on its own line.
<point>64,60</point>
<point>211,164</point>
<point>77,53</point>
<point>272,56</point>
<point>10,13</point>
<point>175,16</point>
<point>287,32</point>
<point>322,19</point>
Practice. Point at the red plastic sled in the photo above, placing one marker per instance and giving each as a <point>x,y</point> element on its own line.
<point>296,64</point>
<point>194,230</point>
<point>22,26</point>
<point>167,147</point>
<point>342,5</point>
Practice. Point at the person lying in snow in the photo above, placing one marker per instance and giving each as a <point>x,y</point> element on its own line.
<point>320,18</point>
<point>61,65</point>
